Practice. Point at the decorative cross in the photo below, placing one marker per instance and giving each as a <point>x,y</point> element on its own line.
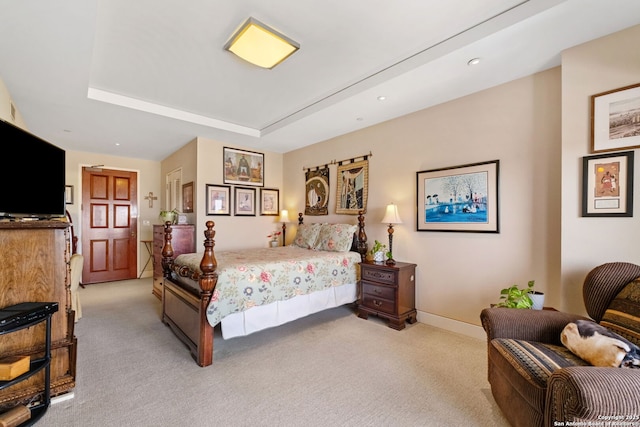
<point>151,198</point>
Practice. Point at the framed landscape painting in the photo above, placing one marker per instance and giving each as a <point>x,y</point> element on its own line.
<point>459,198</point>
<point>615,119</point>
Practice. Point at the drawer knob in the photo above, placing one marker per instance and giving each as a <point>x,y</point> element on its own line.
<point>377,303</point>
<point>377,291</point>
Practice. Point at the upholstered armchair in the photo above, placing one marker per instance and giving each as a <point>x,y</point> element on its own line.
<point>536,381</point>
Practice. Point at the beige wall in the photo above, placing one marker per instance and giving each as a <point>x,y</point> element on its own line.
<point>202,162</point>
<point>460,273</point>
<point>148,181</point>
<point>5,107</point>
<point>604,64</point>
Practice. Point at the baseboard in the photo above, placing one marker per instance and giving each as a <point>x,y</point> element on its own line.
<point>452,325</point>
<point>63,397</point>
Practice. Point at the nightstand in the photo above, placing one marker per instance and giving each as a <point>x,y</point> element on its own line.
<point>388,291</point>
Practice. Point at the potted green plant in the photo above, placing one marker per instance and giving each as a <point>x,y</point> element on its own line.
<point>379,251</point>
<point>514,297</point>
<point>171,216</point>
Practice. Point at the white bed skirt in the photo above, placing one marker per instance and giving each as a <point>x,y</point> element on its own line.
<point>280,312</point>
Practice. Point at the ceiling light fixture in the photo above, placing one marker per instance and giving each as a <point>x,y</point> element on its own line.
<point>474,61</point>
<point>382,98</point>
<point>260,45</point>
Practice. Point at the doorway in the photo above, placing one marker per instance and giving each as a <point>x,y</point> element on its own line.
<point>109,225</point>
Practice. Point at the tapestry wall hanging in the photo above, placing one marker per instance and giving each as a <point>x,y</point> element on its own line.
<point>353,183</point>
<point>317,191</point>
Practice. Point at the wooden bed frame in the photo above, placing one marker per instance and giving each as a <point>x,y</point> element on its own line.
<point>185,311</point>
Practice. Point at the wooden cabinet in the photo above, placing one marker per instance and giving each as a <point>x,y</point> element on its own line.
<point>182,241</point>
<point>388,291</point>
<point>34,267</point>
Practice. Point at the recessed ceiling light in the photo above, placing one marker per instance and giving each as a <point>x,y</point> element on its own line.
<point>474,61</point>
<point>382,98</point>
<point>359,119</point>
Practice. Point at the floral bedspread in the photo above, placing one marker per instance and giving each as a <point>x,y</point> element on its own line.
<point>247,278</point>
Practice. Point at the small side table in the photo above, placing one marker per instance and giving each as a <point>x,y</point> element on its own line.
<point>148,244</point>
<point>388,291</point>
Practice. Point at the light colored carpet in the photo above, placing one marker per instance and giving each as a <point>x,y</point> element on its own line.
<point>331,368</point>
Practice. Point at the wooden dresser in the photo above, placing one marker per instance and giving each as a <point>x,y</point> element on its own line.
<point>34,267</point>
<point>388,291</point>
<point>182,241</point>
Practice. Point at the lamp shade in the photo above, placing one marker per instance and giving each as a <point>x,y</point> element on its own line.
<point>391,215</point>
<point>260,45</point>
<point>284,216</point>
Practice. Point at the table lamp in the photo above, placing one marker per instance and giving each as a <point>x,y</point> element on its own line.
<point>284,218</point>
<point>391,217</point>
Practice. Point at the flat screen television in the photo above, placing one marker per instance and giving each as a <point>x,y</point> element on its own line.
<point>34,175</point>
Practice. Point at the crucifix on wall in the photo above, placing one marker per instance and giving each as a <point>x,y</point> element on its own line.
<point>150,198</point>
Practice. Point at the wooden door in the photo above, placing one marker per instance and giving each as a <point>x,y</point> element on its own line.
<point>109,225</point>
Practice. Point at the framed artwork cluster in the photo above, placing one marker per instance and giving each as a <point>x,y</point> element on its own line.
<point>221,201</point>
<point>607,179</point>
<point>243,171</point>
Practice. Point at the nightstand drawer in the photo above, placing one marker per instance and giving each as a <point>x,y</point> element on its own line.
<point>378,304</point>
<point>378,291</point>
<point>379,275</point>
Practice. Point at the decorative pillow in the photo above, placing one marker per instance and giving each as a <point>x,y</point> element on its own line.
<point>599,346</point>
<point>335,237</point>
<point>623,314</point>
<point>306,235</point>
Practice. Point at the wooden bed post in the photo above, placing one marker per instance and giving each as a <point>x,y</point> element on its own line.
<point>362,236</point>
<point>167,250</point>
<point>208,282</point>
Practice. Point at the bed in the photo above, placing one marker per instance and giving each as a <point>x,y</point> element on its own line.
<point>254,289</point>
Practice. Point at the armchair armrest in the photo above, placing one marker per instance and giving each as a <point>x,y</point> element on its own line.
<point>530,325</point>
<point>583,393</point>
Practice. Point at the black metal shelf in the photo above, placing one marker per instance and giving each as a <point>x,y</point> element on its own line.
<point>21,316</point>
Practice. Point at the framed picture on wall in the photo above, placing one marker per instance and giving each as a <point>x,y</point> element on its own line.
<point>218,199</point>
<point>615,119</point>
<point>245,201</point>
<point>607,185</point>
<point>243,167</point>
<point>269,201</point>
<point>68,194</point>
<point>459,198</point>
<point>187,197</point>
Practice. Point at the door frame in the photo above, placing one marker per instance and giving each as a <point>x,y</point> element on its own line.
<point>77,211</point>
